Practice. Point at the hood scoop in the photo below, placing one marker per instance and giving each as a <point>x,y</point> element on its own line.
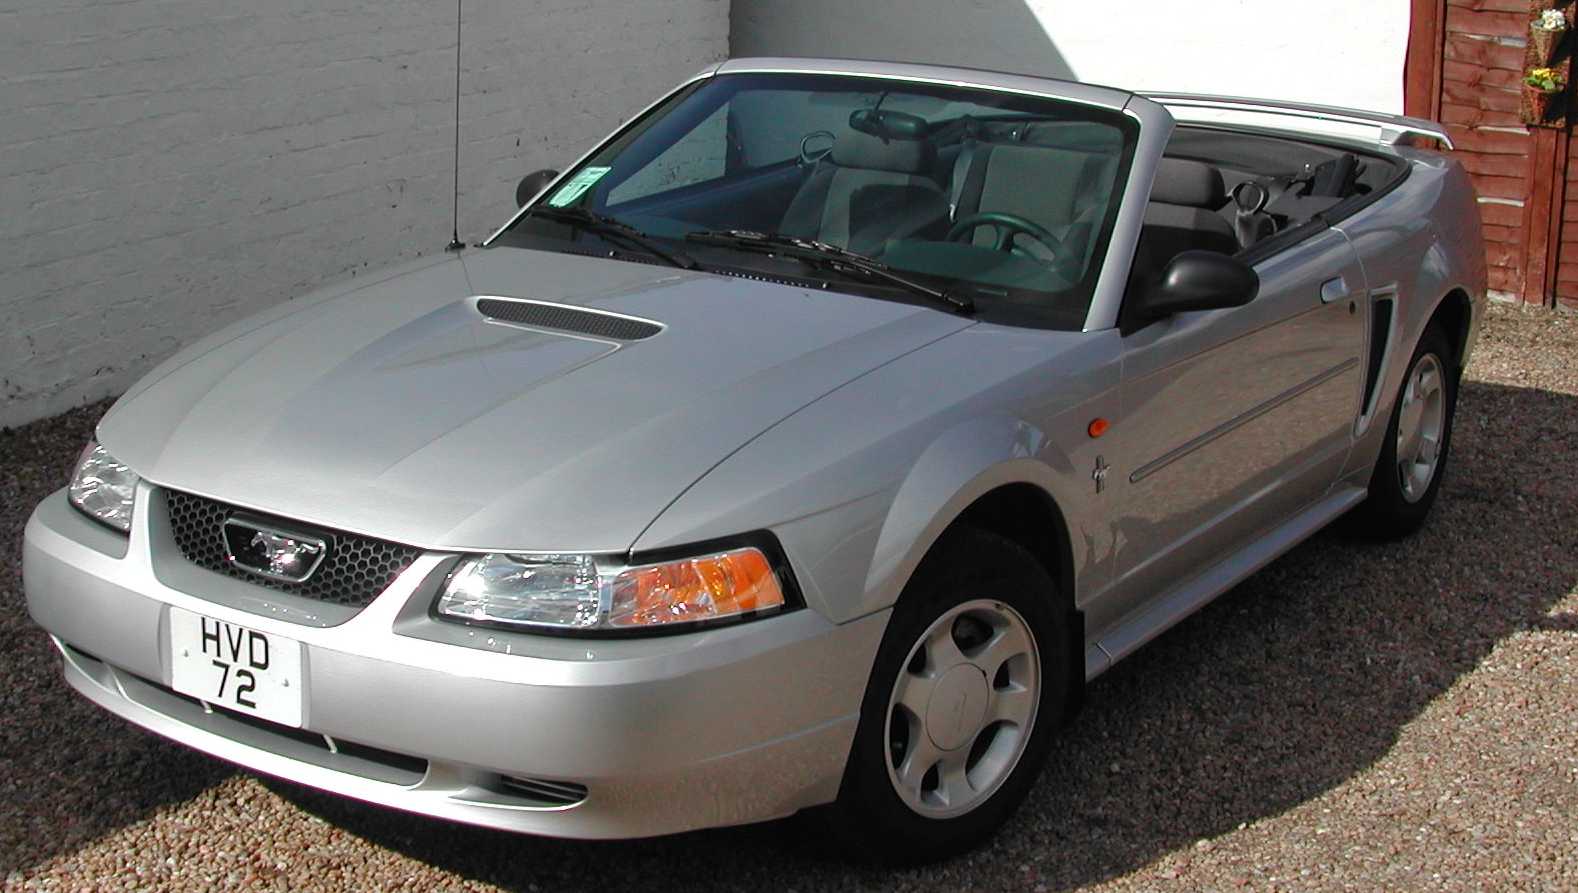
<point>571,320</point>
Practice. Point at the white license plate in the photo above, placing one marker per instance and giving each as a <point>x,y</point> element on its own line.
<point>232,666</point>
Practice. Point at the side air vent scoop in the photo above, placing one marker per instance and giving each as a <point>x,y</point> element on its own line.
<point>575,320</point>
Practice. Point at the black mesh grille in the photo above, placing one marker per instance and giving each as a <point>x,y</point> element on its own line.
<point>355,570</point>
<point>556,793</point>
<point>568,319</point>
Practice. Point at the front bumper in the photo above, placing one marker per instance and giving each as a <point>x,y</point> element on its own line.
<point>561,737</point>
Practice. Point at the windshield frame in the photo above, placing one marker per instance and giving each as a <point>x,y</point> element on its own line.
<point>1148,127</point>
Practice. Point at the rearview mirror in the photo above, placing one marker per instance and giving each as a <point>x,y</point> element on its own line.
<point>1200,280</point>
<point>533,184</point>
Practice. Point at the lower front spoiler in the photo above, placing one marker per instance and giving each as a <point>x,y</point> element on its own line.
<point>737,788</point>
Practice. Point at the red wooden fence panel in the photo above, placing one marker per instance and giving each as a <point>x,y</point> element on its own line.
<point>1567,263</point>
<point>1478,71</point>
<point>1466,60</point>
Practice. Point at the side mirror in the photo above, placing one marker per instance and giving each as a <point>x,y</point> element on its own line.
<point>533,184</point>
<point>1200,280</point>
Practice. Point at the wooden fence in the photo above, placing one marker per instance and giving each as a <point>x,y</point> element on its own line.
<point>1466,62</point>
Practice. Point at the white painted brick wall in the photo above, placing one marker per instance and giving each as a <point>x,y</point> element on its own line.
<point>167,166</point>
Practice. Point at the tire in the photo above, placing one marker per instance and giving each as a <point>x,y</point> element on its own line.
<point>1401,495</point>
<point>991,705</point>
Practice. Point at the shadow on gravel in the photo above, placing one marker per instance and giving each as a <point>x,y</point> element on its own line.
<point>1285,687</point>
<point>69,772</point>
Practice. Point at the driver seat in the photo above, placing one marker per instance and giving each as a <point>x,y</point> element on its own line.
<point>870,190</point>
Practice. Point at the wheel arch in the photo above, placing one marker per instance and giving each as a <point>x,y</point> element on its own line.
<point>1017,500</point>
<point>985,472</point>
<point>1004,476</point>
<point>1042,531</point>
<point>1454,312</point>
<point>1030,517</point>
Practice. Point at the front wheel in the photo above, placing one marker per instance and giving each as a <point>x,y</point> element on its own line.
<point>1413,457</point>
<point>971,678</point>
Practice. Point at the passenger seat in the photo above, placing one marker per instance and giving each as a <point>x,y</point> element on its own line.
<point>1182,214</point>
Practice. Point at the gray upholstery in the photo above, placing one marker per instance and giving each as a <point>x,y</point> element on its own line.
<point>1178,229</point>
<point>1251,227</point>
<point>1182,216</point>
<point>1054,187</point>
<point>1193,184</point>
<point>1038,184</point>
<point>869,191</point>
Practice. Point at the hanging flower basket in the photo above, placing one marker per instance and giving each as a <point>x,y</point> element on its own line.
<point>1544,87</point>
<point>1542,103</point>
<point>1545,42</point>
<point>1546,33</point>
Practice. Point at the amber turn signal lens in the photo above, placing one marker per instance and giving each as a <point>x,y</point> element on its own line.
<point>711,587</point>
<point>1098,427</point>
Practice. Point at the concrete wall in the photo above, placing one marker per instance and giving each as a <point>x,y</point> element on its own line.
<point>167,166</point>
<point>1343,52</point>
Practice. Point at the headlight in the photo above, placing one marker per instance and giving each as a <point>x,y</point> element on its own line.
<point>103,488</point>
<point>590,594</point>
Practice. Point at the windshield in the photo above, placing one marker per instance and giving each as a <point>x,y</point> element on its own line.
<point>1005,199</point>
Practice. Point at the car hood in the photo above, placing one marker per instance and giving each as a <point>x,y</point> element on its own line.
<point>395,409</point>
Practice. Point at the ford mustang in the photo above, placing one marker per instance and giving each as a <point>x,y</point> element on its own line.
<point>811,442</point>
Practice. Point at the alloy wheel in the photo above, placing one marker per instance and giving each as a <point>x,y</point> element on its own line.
<point>1421,422</point>
<point>963,708</point>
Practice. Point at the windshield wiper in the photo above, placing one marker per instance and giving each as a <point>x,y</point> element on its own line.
<point>612,228</point>
<point>822,254</point>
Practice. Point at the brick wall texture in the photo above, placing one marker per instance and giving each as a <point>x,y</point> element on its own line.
<point>168,166</point>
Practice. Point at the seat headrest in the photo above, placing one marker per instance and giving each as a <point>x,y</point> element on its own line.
<point>905,156</point>
<point>1193,184</point>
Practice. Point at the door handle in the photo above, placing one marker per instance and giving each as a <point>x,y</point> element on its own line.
<point>1334,290</point>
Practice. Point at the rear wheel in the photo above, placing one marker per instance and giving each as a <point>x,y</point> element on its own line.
<point>1414,454</point>
<point>971,678</point>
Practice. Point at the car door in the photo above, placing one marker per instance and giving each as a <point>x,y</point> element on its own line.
<point>1233,420</point>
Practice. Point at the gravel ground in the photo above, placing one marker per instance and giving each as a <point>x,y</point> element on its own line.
<point>1354,717</point>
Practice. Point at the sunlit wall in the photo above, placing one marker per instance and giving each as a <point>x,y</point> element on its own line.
<point>1341,52</point>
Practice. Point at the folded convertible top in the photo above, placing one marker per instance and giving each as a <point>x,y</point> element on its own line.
<point>1310,119</point>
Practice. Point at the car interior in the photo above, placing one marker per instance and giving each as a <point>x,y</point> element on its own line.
<point>1010,202</point>
<point>1013,203</point>
<point>893,179</point>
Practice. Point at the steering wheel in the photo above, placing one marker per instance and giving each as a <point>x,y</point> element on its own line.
<point>1009,226</point>
<point>808,156</point>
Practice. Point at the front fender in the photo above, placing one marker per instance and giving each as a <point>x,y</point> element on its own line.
<point>859,485</point>
<point>964,464</point>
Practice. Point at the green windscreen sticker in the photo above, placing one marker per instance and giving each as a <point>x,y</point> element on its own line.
<point>578,185</point>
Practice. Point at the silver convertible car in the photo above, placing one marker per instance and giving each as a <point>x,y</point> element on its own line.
<point>809,443</point>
